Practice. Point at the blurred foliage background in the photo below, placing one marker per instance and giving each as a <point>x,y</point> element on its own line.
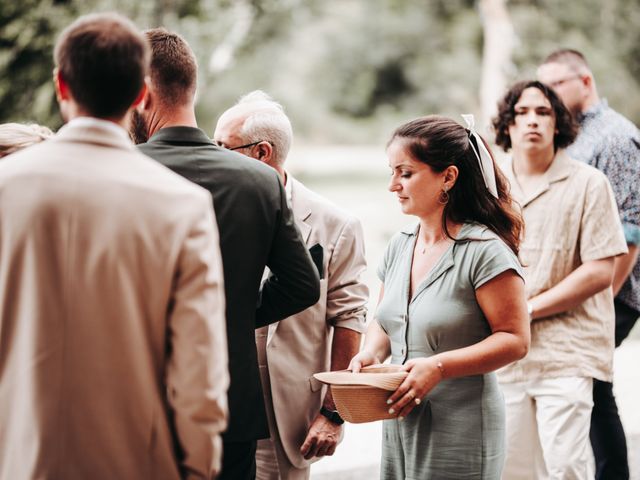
<point>347,71</point>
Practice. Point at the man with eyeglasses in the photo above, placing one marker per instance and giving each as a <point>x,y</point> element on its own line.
<point>256,227</point>
<point>303,420</point>
<point>611,143</point>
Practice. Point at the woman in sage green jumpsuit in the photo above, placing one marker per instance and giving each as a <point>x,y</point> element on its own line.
<point>452,307</point>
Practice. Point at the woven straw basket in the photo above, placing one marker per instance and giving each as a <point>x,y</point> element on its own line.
<point>362,397</point>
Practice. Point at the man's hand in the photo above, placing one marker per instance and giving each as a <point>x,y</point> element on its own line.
<point>322,438</point>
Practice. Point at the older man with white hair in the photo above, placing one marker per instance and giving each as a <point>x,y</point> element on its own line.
<point>302,417</point>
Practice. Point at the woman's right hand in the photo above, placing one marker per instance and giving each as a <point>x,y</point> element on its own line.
<point>362,359</point>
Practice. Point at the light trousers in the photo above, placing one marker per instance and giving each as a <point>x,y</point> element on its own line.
<point>272,462</point>
<point>548,423</point>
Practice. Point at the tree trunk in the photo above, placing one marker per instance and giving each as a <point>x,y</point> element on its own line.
<point>499,41</point>
<point>223,55</point>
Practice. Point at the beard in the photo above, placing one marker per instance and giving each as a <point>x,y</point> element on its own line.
<point>138,128</point>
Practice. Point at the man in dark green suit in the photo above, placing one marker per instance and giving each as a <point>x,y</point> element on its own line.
<point>256,227</point>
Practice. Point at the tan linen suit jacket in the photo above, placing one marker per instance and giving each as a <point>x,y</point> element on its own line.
<point>300,345</point>
<point>113,359</point>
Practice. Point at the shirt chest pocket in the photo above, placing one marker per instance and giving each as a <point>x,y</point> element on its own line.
<point>553,226</point>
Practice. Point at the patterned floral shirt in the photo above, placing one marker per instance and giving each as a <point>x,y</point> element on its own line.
<point>611,143</point>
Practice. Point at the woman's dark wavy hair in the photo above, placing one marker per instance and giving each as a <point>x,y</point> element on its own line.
<point>566,127</point>
<point>440,142</point>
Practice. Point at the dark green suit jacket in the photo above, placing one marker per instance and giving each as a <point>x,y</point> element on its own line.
<point>257,229</point>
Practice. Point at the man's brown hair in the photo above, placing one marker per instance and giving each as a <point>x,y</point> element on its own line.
<point>566,127</point>
<point>174,70</point>
<point>103,58</point>
<point>567,56</point>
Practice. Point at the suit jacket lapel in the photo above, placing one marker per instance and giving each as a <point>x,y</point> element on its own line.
<point>301,213</point>
<point>301,209</point>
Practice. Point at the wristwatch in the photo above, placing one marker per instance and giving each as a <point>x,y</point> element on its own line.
<point>332,415</point>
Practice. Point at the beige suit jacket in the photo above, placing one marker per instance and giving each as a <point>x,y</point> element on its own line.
<point>301,345</point>
<point>113,359</point>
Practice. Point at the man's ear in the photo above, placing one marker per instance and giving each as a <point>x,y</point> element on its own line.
<point>265,151</point>
<point>141,99</point>
<point>61,87</point>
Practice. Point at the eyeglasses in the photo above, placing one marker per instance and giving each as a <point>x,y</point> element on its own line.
<point>245,146</point>
<point>557,83</point>
<point>222,145</point>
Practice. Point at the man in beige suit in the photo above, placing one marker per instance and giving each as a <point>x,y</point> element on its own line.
<point>113,360</point>
<point>302,419</point>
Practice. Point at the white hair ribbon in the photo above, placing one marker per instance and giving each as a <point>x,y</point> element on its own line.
<point>484,157</point>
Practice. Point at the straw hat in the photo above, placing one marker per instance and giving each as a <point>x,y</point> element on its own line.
<point>362,397</point>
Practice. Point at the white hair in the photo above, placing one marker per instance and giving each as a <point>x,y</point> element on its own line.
<point>15,136</point>
<point>266,121</point>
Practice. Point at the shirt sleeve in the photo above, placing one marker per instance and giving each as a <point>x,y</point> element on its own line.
<point>619,160</point>
<point>387,258</point>
<point>197,377</point>
<point>492,258</point>
<point>601,234</point>
<point>631,233</point>
<point>347,294</point>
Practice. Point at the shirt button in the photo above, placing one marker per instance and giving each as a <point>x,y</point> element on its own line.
<point>402,351</point>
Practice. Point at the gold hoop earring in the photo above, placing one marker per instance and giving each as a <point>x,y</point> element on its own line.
<point>443,198</point>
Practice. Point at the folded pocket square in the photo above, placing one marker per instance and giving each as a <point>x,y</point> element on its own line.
<point>317,255</point>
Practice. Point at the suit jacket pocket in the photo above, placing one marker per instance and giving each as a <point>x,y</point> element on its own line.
<point>317,255</point>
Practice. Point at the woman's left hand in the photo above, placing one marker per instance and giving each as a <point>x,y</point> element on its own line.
<point>424,374</point>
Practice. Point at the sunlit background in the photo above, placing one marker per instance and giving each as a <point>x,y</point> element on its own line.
<point>348,72</point>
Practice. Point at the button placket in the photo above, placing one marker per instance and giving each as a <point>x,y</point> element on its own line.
<point>404,351</point>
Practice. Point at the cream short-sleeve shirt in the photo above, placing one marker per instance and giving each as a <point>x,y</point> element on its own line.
<point>570,219</point>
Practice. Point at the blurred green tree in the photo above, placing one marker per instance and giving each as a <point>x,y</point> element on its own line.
<point>347,70</point>
<point>607,33</point>
<point>27,35</point>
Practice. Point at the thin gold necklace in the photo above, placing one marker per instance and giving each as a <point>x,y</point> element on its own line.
<point>424,248</point>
